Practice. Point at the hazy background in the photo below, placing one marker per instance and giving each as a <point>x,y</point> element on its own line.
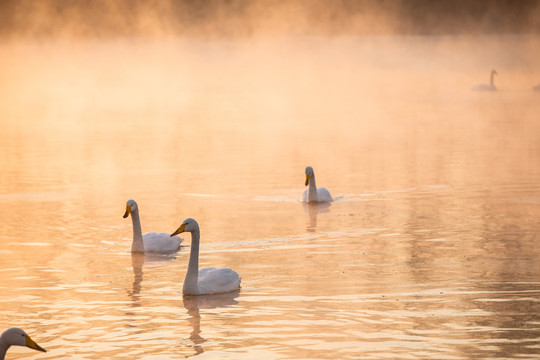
<point>122,18</point>
<point>212,110</point>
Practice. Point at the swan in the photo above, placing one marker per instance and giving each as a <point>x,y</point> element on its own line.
<point>487,87</point>
<point>313,193</point>
<point>536,87</point>
<point>16,336</point>
<point>152,241</point>
<point>208,280</point>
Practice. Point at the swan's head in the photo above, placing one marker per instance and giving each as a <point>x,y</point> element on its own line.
<point>494,72</point>
<point>309,173</point>
<point>188,225</point>
<point>131,206</point>
<point>16,336</point>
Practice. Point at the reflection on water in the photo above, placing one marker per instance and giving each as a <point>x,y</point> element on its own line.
<point>195,303</point>
<point>313,210</point>
<point>137,262</point>
<point>429,252</point>
<point>195,323</point>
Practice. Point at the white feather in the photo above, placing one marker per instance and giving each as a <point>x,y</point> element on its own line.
<point>152,241</point>
<point>313,193</point>
<point>208,280</point>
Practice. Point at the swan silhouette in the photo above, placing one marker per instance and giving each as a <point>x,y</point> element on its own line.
<point>313,193</point>
<point>152,241</point>
<point>487,87</point>
<point>208,280</point>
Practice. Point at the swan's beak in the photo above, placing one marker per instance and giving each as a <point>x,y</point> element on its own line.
<point>179,230</point>
<point>307,179</point>
<point>32,344</point>
<point>128,211</point>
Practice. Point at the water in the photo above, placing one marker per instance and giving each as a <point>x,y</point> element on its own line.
<point>429,251</point>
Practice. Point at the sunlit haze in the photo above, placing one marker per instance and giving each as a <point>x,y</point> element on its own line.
<point>212,110</point>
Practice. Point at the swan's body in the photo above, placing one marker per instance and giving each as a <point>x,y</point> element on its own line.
<point>313,193</point>
<point>152,241</point>
<point>487,87</point>
<point>16,336</point>
<point>208,280</point>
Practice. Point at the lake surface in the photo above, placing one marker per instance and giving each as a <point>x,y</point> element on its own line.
<point>429,251</point>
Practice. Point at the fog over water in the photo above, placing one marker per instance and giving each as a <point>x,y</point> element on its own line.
<point>429,250</point>
<point>244,18</point>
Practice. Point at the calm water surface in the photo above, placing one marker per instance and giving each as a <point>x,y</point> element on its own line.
<point>429,251</point>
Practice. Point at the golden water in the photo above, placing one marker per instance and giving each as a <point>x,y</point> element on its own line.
<point>429,251</point>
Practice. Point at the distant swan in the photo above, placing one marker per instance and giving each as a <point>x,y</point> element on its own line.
<point>487,87</point>
<point>314,194</point>
<point>536,87</point>
<point>208,280</point>
<point>152,241</point>
<point>16,336</point>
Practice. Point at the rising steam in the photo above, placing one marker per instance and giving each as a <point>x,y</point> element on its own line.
<point>125,18</point>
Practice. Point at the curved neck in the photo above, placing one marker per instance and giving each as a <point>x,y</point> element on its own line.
<point>312,189</point>
<point>3,349</point>
<point>137,245</point>
<point>192,277</point>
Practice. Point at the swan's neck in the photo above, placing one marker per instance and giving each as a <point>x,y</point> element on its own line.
<point>137,245</point>
<point>192,277</point>
<point>3,348</point>
<point>312,189</point>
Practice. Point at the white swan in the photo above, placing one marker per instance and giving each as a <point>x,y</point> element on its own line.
<point>16,336</point>
<point>487,87</point>
<point>208,280</point>
<point>152,241</point>
<point>313,193</point>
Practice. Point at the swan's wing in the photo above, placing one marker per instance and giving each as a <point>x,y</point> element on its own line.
<point>323,194</point>
<point>479,87</point>
<point>304,196</point>
<point>218,280</point>
<point>161,242</point>
<point>483,87</point>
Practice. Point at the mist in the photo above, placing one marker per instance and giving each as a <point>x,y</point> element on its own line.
<point>153,52</point>
<point>243,18</point>
<point>336,58</point>
<point>212,110</point>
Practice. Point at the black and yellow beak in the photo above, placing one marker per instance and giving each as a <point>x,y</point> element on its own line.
<point>179,230</point>
<point>32,344</point>
<point>307,179</point>
<point>128,211</point>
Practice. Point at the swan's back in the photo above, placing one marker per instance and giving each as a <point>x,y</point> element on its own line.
<point>218,280</point>
<point>484,87</point>
<point>323,195</point>
<point>160,242</point>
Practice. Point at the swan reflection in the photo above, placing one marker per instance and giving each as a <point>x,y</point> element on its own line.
<point>313,210</point>
<point>137,262</point>
<point>194,303</point>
